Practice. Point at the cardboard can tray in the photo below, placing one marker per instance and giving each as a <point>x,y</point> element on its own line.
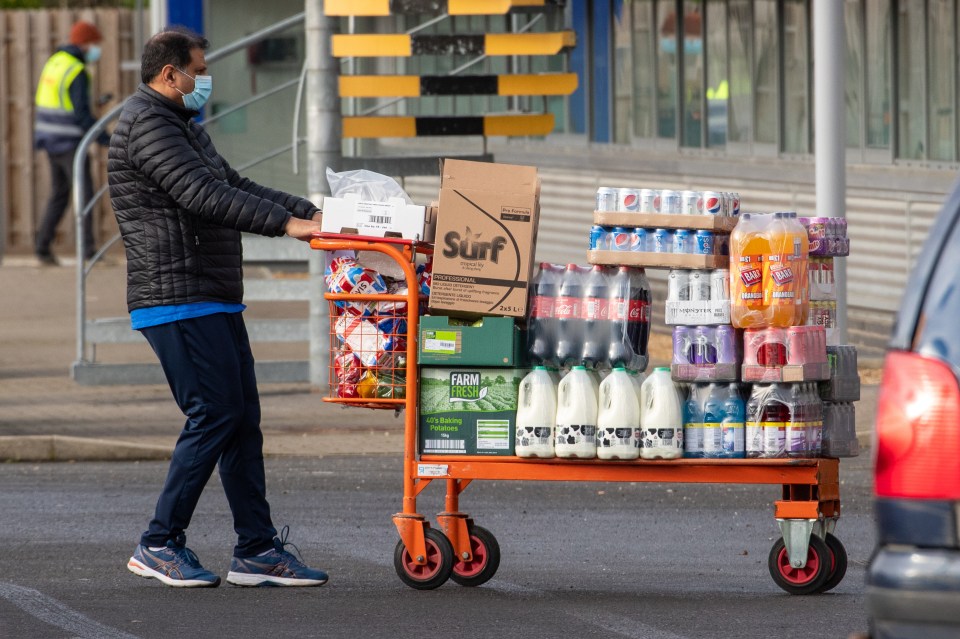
<point>813,372</point>
<point>716,223</point>
<point>705,372</point>
<point>658,260</point>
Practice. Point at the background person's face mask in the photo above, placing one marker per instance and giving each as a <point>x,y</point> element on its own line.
<point>92,54</point>
<point>202,88</point>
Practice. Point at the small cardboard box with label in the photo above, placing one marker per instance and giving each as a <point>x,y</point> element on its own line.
<point>468,411</point>
<point>350,215</point>
<point>488,341</point>
<point>485,240</point>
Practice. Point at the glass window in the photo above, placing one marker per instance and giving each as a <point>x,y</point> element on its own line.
<point>718,84</point>
<point>796,77</point>
<point>853,20</point>
<point>667,69</point>
<point>692,74</point>
<point>911,74</point>
<point>766,71</point>
<point>644,61</point>
<point>741,78</point>
<point>623,62</point>
<point>941,52</point>
<point>878,69</point>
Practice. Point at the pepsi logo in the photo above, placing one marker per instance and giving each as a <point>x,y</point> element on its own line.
<point>713,205</point>
<point>656,203</point>
<point>631,201</point>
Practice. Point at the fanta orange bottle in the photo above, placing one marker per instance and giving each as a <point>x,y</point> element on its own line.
<point>783,271</point>
<point>748,248</point>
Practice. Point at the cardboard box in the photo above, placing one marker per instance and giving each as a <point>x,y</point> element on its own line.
<point>468,411</point>
<point>812,372</point>
<point>485,240</point>
<point>697,313</point>
<point>716,223</point>
<point>394,218</point>
<point>658,260</point>
<point>492,341</point>
<point>705,372</point>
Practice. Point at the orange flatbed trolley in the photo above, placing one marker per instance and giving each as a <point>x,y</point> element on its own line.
<point>807,559</point>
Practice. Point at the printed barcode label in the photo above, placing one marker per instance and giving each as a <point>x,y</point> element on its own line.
<point>432,470</point>
<point>380,219</point>
<point>444,444</point>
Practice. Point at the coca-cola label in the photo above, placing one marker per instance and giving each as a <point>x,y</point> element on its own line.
<point>567,308</point>
<point>595,308</point>
<point>541,307</point>
<point>631,311</point>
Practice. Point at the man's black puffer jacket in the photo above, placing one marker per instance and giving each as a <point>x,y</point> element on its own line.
<point>181,207</point>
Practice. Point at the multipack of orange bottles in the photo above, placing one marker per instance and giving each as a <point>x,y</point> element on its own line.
<point>768,271</point>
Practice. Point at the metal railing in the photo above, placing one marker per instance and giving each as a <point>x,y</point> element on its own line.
<point>84,208</point>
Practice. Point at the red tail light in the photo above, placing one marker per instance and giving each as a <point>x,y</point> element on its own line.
<point>917,451</point>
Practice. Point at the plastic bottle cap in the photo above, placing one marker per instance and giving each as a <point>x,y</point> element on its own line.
<point>662,368</point>
<point>539,368</point>
<point>578,368</point>
<point>619,368</point>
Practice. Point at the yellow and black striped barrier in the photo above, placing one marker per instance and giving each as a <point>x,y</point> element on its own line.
<point>414,86</point>
<point>410,127</point>
<point>403,45</point>
<point>372,8</point>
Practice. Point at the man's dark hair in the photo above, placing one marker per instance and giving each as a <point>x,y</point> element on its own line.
<point>170,46</point>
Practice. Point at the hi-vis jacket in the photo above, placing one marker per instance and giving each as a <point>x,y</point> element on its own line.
<point>62,102</point>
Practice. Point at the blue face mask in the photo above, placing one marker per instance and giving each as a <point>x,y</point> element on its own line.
<point>202,88</point>
<point>93,54</point>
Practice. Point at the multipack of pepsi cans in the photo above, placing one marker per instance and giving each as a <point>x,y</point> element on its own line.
<point>650,240</point>
<point>667,201</point>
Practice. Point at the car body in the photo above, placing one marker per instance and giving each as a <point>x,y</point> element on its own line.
<point>913,580</point>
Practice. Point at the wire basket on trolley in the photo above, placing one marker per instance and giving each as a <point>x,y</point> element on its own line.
<point>371,344</point>
<point>368,355</point>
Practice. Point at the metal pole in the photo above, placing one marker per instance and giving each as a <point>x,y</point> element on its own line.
<point>323,150</point>
<point>830,47</point>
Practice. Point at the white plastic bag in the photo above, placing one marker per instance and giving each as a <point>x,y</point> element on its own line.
<point>370,186</point>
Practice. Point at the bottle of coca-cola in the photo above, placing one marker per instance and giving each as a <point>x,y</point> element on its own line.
<point>629,313</point>
<point>567,313</point>
<point>596,318</point>
<point>541,317</point>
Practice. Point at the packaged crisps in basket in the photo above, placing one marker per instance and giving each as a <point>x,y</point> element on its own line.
<point>399,308</point>
<point>392,376</point>
<point>362,336</point>
<point>367,387</point>
<point>395,331</point>
<point>348,370</point>
<point>345,275</point>
<point>425,280</point>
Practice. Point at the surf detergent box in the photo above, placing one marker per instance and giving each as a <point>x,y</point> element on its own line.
<point>486,239</point>
<point>468,411</point>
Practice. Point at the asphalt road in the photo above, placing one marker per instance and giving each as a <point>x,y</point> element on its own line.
<point>651,561</point>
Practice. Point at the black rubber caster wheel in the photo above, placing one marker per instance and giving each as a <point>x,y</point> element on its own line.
<point>435,571</point>
<point>800,581</point>
<point>486,559</point>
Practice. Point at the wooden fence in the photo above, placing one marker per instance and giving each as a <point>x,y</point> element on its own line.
<point>27,39</point>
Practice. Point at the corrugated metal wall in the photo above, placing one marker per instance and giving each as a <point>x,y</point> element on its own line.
<point>888,222</point>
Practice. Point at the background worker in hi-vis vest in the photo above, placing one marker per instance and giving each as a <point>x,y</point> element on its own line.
<point>63,116</point>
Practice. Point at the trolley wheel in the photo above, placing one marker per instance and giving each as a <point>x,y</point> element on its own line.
<point>838,563</point>
<point>435,571</point>
<point>800,581</point>
<point>486,559</point>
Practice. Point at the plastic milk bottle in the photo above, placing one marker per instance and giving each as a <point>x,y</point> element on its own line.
<point>661,417</point>
<point>536,414</point>
<point>576,433</point>
<point>618,421</point>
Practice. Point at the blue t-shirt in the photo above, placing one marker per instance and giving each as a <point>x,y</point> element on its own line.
<point>157,315</point>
